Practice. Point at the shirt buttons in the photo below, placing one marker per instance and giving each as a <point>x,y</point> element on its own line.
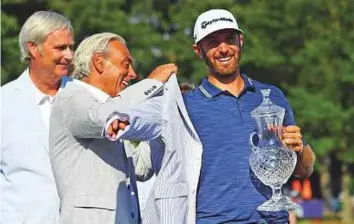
<point>132,214</point>
<point>128,186</point>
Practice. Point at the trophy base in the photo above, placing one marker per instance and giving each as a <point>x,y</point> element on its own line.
<point>277,204</point>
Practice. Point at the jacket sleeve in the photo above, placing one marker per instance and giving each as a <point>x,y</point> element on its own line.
<point>145,121</point>
<point>89,116</point>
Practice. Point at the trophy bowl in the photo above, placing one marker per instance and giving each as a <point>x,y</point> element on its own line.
<point>271,161</point>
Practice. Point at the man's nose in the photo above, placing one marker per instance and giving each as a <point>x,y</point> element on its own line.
<point>132,74</point>
<point>223,48</point>
<point>69,54</point>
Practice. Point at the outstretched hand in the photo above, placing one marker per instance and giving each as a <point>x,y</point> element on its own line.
<point>163,72</point>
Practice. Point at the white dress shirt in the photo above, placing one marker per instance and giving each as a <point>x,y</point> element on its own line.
<point>44,102</point>
<point>102,96</point>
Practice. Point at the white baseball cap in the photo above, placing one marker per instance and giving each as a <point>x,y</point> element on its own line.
<point>214,20</point>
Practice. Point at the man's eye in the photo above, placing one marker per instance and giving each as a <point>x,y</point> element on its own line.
<point>213,42</point>
<point>231,39</point>
<point>62,48</point>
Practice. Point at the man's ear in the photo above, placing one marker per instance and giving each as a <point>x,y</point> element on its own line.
<point>198,51</point>
<point>241,40</point>
<point>33,49</point>
<point>98,62</point>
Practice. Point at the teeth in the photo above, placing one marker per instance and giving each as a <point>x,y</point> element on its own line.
<point>125,83</point>
<point>224,59</point>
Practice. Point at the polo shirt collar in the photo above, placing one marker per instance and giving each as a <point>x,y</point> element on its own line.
<point>210,91</point>
<point>249,83</point>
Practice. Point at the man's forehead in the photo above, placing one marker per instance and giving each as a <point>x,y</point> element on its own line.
<point>224,32</point>
<point>119,50</point>
<point>61,35</point>
<point>120,55</point>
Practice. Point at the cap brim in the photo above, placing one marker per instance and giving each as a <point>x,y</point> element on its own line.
<point>216,28</point>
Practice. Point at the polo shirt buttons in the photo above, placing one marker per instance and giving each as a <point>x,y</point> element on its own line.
<point>132,214</point>
<point>128,186</point>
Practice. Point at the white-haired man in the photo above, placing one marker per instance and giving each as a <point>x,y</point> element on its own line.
<point>96,178</point>
<point>28,190</point>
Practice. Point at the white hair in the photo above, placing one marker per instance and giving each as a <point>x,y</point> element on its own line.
<point>37,28</point>
<point>91,45</point>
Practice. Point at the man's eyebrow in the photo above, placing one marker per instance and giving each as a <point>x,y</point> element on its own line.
<point>64,44</point>
<point>211,36</point>
<point>128,58</point>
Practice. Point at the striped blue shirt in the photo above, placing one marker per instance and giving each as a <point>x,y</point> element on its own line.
<point>228,191</point>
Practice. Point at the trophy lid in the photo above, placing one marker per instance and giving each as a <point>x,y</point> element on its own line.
<point>267,108</point>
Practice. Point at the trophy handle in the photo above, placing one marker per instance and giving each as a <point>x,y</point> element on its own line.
<point>253,147</point>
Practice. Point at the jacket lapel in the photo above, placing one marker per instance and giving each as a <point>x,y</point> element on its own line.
<point>33,114</point>
<point>172,86</point>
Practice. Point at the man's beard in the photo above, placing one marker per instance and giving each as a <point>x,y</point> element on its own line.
<point>217,71</point>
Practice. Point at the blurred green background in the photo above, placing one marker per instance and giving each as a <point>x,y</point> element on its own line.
<point>306,47</point>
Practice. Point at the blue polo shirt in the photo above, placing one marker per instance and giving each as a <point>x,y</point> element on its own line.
<point>228,191</point>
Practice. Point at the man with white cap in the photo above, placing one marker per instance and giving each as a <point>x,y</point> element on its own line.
<point>205,175</point>
<point>220,112</point>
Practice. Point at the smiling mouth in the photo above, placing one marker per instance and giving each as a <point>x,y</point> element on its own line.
<point>224,59</point>
<point>64,66</point>
<point>125,83</point>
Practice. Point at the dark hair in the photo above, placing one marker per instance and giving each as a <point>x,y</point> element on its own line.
<point>185,87</point>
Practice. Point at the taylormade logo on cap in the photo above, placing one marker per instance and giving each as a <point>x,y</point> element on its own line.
<point>213,20</point>
<point>205,23</point>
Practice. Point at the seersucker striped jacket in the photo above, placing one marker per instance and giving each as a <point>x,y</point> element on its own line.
<point>173,197</point>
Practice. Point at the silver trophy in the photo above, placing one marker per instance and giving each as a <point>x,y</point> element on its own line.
<point>271,161</point>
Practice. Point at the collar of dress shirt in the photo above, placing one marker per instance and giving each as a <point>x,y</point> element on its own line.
<point>39,96</point>
<point>102,96</point>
